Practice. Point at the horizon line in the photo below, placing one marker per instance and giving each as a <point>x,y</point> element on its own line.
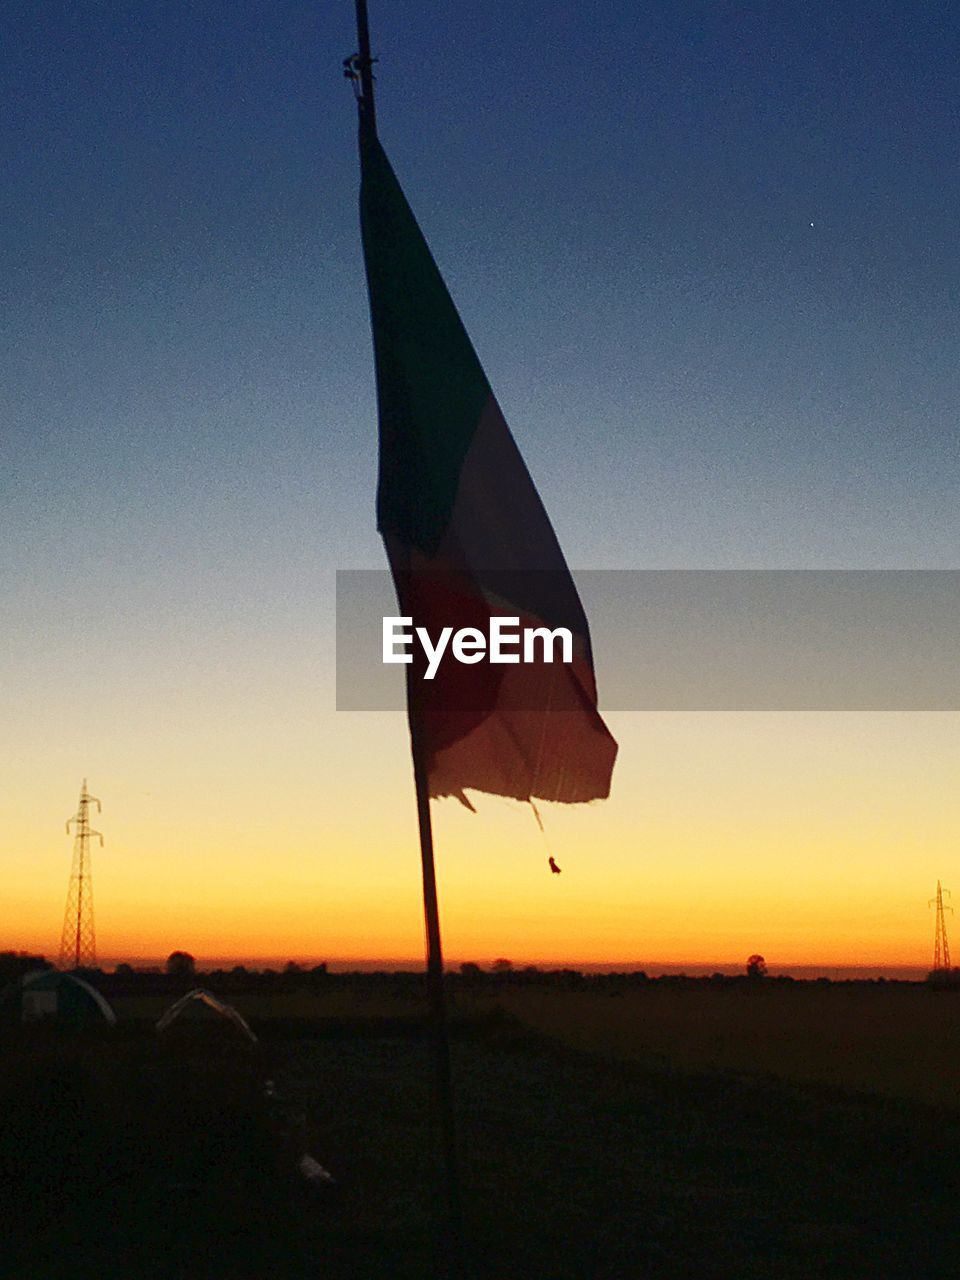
<point>406,964</point>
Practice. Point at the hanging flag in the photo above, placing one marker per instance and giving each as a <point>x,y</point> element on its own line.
<point>468,538</point>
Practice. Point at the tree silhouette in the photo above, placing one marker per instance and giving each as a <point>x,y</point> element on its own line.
<point>756,967</point>
<point>181,964</point>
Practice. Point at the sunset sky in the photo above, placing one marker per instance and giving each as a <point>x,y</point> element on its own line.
<point>708,256</point>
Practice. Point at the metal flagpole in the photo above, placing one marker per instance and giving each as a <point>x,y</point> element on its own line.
<point>435,988</point>
<point>362,66</point>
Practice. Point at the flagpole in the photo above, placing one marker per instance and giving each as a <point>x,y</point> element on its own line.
<point>435,986</point>
<point>368,110</point>
<point>363,65</point>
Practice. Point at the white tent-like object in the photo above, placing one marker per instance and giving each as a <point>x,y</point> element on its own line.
<point>48,994</point>
<point>202,1005</point>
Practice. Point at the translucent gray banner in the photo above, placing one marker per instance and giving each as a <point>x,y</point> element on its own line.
<point>717,640</point>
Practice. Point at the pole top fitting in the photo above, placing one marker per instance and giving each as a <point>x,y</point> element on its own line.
<point>358,69</point>
<point>354,68</point>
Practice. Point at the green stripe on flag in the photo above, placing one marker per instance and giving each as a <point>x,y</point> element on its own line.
<point>431,386</point>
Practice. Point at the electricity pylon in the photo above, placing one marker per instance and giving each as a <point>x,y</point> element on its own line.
<point>941,947</point>
<point>78,944</point>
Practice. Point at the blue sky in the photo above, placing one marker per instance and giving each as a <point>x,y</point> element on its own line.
<point>620,197</point>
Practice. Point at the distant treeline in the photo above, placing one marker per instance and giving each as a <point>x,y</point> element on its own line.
<point>14,964</point>
<point>180,974</point>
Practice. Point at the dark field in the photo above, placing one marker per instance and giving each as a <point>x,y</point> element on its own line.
<point>671,1131</point>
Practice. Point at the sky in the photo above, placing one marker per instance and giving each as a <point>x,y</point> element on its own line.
<point>707,254</point>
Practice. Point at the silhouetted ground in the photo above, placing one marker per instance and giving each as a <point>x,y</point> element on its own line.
<point>126,1160</point>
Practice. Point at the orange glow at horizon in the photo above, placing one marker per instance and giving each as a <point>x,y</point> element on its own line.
<point>813,839</point>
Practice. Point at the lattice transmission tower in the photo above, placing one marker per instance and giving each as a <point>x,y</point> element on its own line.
<point>941,947</point>
<point>78,943</point>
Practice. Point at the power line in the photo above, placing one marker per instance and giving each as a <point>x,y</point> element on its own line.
<point>941,947</point>
<point>78,943</point>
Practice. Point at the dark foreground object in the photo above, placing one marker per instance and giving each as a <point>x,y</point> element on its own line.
<point>120,1160</point>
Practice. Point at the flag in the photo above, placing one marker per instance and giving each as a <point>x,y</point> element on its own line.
<point>467,536</point>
